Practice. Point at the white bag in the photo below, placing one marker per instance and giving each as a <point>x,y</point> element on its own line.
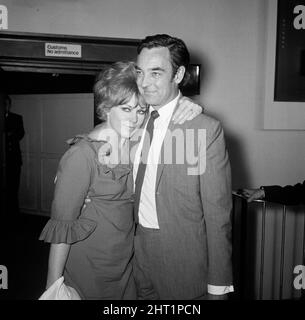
<point>59,291</point>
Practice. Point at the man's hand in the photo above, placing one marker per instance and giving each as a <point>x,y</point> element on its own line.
<point>253,194</point>
<point>217,296</point>
<point>187,110</point>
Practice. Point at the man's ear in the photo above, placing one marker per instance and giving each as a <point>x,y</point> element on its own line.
<point>179,74</point>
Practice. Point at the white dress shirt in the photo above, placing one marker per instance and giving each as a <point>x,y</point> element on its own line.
<point>147,207</point>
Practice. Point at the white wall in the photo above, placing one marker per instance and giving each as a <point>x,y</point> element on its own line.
<point>226,36</point>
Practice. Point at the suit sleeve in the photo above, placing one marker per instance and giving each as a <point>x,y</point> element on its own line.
<point>20,129</point>
<point>216,195</point>
<point>288,195</point>
<point>17,130</point>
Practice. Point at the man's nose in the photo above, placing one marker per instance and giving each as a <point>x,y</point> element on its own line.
<point>146,81</point>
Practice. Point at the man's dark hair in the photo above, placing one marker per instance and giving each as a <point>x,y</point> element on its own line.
<point>178,51</point>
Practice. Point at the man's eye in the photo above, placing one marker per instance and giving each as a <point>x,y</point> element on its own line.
<point>156,74</point>
<point>141,111</point>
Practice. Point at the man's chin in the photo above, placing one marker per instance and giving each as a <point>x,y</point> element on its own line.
<point>152,103</point>
<point>150,100</point>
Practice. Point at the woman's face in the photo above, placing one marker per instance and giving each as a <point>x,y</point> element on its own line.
<point>127,118</point>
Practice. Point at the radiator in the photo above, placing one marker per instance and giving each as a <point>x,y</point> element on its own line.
<point>268,244</point>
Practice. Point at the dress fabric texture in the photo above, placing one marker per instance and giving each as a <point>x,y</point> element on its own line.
<point>99,263</point>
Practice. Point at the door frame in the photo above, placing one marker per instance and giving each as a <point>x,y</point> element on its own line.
<point>22,51</point>
<point>26,52</point>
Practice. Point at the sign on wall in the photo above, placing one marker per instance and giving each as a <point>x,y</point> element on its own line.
<point>290,51</point>
<point>63,50</point>
<point>3,17</point>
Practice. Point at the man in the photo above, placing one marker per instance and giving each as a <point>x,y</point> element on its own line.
<point>14,132</point>
<point>183,236</point>
<point>288,195</point>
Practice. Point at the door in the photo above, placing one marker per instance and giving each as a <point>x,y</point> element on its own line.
<point>49,121</point>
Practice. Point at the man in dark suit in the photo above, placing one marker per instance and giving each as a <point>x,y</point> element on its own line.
<point>14,132</point>
<point>182,205</point>
<point>287,195</point>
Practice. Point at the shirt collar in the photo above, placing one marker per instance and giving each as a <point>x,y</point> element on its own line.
<point>167,110</point>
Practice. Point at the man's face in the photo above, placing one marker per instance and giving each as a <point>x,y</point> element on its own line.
<point>155,76</point>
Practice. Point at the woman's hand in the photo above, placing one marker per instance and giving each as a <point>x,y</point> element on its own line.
<point>187,110</point>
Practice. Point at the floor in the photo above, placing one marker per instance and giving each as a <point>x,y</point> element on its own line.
<point>24,256</point>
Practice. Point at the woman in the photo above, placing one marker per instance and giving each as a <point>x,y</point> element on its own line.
<point>92,246</point>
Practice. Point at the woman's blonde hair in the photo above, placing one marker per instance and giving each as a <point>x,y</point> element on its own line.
<point>115,85</point>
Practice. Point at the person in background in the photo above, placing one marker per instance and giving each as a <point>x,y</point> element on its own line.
<point>14,132</point>
<point>287,195</point>
<point>92,245</point>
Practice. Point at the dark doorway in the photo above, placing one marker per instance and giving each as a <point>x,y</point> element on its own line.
<point>47,83</point>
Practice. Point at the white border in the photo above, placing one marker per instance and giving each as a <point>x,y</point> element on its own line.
<point>278,115</point>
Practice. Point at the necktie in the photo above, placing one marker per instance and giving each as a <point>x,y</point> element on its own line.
<point>142,165</point>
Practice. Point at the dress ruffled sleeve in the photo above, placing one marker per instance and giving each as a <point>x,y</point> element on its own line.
<point>59,231</point>
<point>68,223</point>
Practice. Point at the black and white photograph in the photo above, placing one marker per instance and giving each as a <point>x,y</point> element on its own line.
<point>152,154</point>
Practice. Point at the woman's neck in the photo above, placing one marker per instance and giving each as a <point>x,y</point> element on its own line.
<point>105,132</point>
<point>117,146</point>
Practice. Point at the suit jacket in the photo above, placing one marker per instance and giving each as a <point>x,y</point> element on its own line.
<point>14,132</point>
<point>288,195</point>
<point>194,210</point>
